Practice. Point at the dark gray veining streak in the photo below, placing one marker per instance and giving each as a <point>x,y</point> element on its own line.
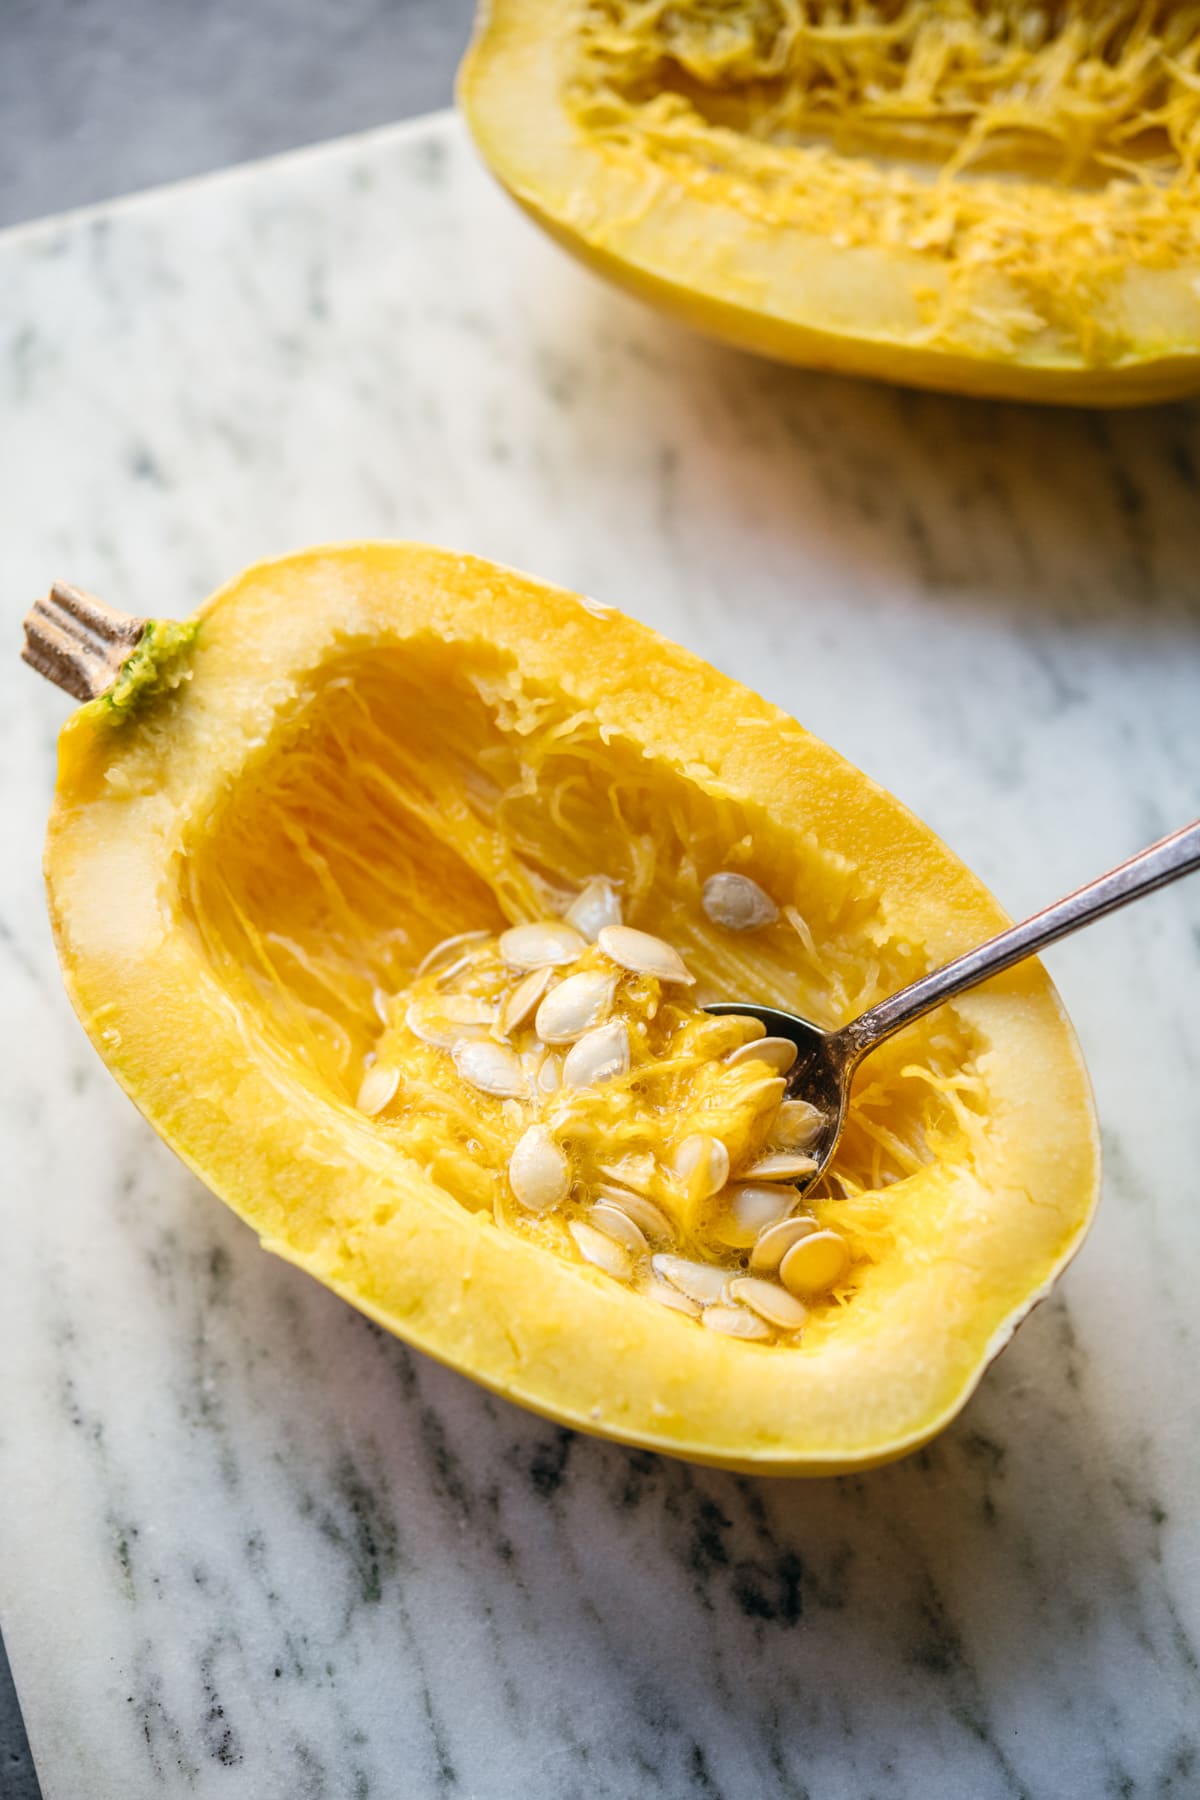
<point>250,1546</point>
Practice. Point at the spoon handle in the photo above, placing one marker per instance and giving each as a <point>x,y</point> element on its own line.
<point>1163,862</point>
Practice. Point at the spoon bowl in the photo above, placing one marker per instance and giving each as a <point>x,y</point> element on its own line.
<point>818,1075</point>
<point>826,1060</point>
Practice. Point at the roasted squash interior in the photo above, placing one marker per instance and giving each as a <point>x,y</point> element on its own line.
<point>1000,142</point>
<point>416,792</point>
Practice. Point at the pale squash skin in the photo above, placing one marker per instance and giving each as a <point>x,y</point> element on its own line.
<point>782,291</point>
<point>324,1188</point>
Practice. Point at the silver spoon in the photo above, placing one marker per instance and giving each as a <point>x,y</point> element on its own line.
<point>826,1060</point>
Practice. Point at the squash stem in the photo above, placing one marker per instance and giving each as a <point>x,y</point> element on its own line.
<point>77,641</point>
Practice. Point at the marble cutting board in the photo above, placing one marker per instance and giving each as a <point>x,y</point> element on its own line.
<point>250,1547</point>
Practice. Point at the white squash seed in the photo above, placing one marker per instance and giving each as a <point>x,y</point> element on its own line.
<point>777,1052</point>
<point>599,1055</point>
<point>815,1264</point>
<point>702,1282</point>
<point>737,903</point>
<point>538,1171</point>
<point>637,1172</point>
<point>574,1006</point>
<point>545,943</point>
<point>644,954</point>
<point>797,1125</point>
<point>601,1250</point>
<point>649,1219</point>
<point>618,1225</point>
<point>670,1296</point>
<point>745,1209</point>
<point>781,1165</point>
<point>769,1301</point>
<point>492,1068</point>
<point>597,905</point>
<point>734,1321</point>
<point>702,1163</point>
<point>446,951</point>
<point>522,1000</point>
<point>773,1244</point>
<point>446,1021</point>
<point>445,976</point>
<point>549,1075</point>
<point>378,1086</point>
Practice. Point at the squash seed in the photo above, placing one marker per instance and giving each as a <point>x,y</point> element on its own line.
<point>777,1052</point>
<point>653,1224</point>
<point>734,1321</point>
<point>637,1172</point>
<point>446,950</point>
<point>549,1075</point>
<point>518,1005</point>
<point>797,1125</point>
<point>746,1210</point>
<point>574,1006</point>
<point>701,1282</point>
<point>378,1085</point>
<point>597,905</point>
<point>737,903</point>
<point>538,1171</point>
<point>492,1068</point>
<point>669,1296</point>
<point>773,1244</point>
<point>815,1264</point>
<point>754,1028</point>
<point>599,1055</point>
<point>781,1165</point>
<point>596,1247</point>
<point>382,1003</point>
<point>618,1225</point>
<point>769,1301</point>
<point>446,975</point>
<point>702,1162</point>
<point>547,942</point>
<point>443,1023</point>
<point>643,954</point>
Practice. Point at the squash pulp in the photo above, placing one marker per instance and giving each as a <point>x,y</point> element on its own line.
<point>983,196</point>
<point>362,750</point>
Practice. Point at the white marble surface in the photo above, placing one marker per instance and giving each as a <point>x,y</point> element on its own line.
<point>249,1547</point>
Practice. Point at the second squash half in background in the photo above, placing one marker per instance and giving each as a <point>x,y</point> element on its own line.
<point>994,199</point>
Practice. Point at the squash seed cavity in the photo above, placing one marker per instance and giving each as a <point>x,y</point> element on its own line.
<point>569,1051</point>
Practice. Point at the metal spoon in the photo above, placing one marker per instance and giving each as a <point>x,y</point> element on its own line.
<point>826,1060</point>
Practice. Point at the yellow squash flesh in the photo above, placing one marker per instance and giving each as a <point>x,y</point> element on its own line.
<point>995,199</point>
<point>367,748</point>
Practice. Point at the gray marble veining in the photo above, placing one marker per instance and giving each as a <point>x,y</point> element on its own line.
<point>250,1546</point>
